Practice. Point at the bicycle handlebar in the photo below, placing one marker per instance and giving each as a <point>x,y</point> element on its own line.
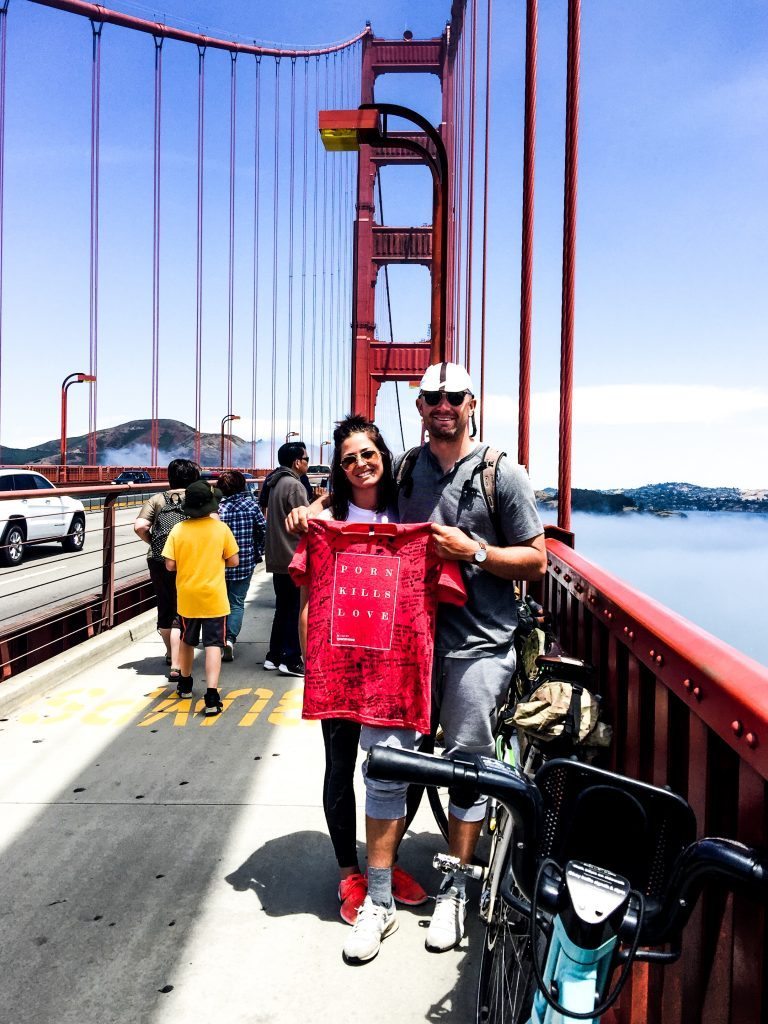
<point>702,861</point>
<point>480,775</point>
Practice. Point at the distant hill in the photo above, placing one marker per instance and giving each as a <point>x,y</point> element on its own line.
<point>661,499</point>
<point>129,444</point>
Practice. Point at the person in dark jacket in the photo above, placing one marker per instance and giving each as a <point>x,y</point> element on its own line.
<point>286,492</point>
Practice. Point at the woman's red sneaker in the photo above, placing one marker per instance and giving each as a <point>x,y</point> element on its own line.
<point>407,890</point>
<point>352,892</point>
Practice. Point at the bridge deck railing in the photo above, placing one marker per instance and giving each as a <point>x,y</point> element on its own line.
<point>106,582</point>
<point>690,712</point>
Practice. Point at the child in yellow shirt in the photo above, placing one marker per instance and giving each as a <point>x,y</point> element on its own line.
<point>198,550</point>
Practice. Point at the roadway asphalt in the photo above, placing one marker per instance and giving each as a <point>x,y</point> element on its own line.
<point>157,867</point>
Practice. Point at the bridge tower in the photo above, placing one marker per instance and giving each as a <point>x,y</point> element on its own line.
<point>375,361</point>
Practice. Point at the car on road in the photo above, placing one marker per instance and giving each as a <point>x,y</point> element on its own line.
<point>37,519</point>
<point>133,476</point>
<point>318,475</point>
<point>251,482</point>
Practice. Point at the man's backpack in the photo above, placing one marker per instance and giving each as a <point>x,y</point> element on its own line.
<point>488,470</point>
<point>165,519</point>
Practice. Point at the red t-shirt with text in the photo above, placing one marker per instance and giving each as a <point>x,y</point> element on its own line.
<point>373,595</point>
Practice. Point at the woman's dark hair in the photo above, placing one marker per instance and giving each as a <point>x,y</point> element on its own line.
<point>341,490</point>
<point>182,473</point>
<point>230,482</point>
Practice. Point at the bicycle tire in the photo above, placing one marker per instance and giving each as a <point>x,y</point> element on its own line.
<point>438,801</point>
<point>507,984</point>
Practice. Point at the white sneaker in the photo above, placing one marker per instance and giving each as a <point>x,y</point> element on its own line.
<point>228,654</point>
<point>292,668</point>
<point>446,929</point>
<point>373,924</point>
<point>270,666</point>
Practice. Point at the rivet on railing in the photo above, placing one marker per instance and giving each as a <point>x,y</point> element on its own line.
<point>737,727</point>
<point>558,570</point>
<point>549,562</point>
<point>593,598</point>
<point>567,578</point>
<point>697,692</point>
<point>751,739</point>
<point>579,589</point>
<point>608,614</point>
<point>659,660</point>
<point>652,653</point>
<point>687,684</point>
<point>631,634</point>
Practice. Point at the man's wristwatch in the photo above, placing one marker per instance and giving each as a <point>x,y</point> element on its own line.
<point>481,554</point>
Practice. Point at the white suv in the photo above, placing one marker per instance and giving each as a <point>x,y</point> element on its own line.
<point>35,520</point>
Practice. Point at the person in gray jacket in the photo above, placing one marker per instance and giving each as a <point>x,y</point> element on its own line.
<point>286,492</point>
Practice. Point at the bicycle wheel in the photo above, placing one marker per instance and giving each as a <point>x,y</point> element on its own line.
<point>507,983</point>
<point>438,801</point>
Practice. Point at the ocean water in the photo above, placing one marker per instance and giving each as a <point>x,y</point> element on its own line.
<point>711,567</point>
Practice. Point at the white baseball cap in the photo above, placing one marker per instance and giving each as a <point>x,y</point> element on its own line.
<point>446,377</point>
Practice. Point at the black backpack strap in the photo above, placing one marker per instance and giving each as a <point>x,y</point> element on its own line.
<point>404,478</point>
<point>489,468</point>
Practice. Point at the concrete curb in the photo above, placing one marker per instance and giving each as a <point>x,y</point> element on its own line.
<point>37,681</point>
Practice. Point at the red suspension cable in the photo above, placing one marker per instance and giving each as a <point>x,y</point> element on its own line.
<point>569,266</point>
<point>93,311</point>
<point>231,264</point>
<point>484,291</point>
<point>460,196</point>
<point>154,430</point>
<point>323,337</point>
<point>275,236</point>
<point>305,144</point>
<point>526,283</point>
<point>255,309</point>
<point>291,201</point>
<point>471,186</point>
<point>313,411</point>
<point>199,266</point>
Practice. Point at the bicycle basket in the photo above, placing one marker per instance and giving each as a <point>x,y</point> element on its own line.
<point>620,824</point>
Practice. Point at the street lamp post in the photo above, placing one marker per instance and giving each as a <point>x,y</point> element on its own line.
<point>346,130</point>
<point>72,378</point>
<point>225,419</point>
<point>290,434</point>
<point>322,445</point>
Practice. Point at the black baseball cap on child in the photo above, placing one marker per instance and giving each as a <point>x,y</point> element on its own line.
<point>200,499</point>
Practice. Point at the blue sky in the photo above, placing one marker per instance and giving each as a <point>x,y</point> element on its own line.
<point>671,301</point>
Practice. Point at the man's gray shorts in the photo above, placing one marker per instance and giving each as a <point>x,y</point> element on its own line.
<point>385,800</point>
<point>467,694</point>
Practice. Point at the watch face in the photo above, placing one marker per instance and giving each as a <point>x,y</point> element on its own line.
<point>480,555</point>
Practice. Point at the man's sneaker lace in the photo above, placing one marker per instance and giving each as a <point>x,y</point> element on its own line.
<point>446,929</point>
<point>373,924</point>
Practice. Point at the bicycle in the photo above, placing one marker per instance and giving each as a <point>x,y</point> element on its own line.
<point>586,867</point>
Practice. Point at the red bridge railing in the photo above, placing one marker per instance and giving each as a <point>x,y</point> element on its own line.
<point>690,712</point>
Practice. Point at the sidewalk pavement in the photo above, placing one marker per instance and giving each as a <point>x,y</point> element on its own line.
<point>158,866</point>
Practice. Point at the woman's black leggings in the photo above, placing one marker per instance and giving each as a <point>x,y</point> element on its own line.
<point>342,739</point>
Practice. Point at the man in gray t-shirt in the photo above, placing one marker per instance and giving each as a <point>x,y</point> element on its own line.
<point>474,650</point>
